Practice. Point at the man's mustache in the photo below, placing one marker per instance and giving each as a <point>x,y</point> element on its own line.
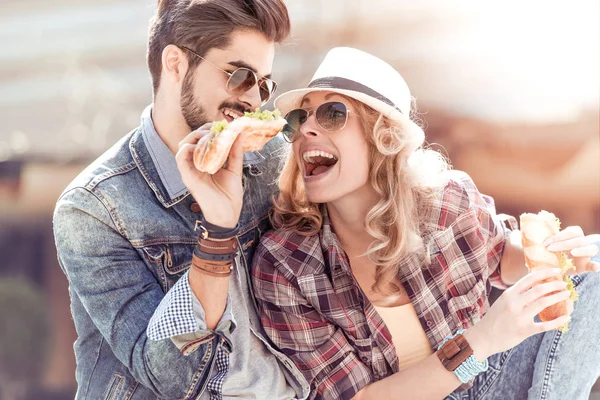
<point>235,106</point>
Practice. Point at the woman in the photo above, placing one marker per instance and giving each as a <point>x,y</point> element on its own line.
<point>381,254</point>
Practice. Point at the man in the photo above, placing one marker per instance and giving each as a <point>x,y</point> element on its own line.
<point>148,325</point>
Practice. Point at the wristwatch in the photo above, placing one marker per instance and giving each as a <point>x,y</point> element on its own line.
<point>454,352</point>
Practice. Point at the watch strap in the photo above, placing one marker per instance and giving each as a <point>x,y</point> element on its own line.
<point>454,352</point>
<point>457,356</point>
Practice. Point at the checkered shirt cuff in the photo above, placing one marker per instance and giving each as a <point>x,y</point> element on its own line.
<point>181,314</point>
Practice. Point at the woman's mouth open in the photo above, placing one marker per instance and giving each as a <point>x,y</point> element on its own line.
<point>317,163</point>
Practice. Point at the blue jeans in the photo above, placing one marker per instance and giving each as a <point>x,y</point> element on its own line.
<point>552,365</point>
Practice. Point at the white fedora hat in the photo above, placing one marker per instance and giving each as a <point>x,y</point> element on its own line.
<point>358,75</point>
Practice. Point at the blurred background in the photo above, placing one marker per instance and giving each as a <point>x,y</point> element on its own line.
<point>508,90</point>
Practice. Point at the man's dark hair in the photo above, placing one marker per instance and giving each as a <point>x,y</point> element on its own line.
<point>202,25</point>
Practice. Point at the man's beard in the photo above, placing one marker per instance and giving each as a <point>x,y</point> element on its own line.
<point>192,111</point>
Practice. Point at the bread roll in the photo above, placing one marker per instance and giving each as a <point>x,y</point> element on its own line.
<point>212,150</point>
<point>535,229</point>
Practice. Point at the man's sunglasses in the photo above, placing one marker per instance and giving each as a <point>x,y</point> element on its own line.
<point>331,116</point>
<point>243,79</point>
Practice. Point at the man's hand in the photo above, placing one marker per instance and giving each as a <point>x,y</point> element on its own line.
<point>579,247</point>
<point>220,196</point>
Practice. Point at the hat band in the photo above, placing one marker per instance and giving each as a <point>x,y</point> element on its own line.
<point>336,82</point>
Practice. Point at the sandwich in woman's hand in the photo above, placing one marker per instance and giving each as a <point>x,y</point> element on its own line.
<point>256,128</point>
<point>536,228</point>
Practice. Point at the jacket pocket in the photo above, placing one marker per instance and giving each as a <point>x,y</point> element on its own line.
<point>114,387</point>
<point>178,258</point>
<point>170,261</point>
<point>121,387</point>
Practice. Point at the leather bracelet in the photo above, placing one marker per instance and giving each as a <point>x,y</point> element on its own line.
<point>213,269</point>
<point>215,274</point>
<point>456,355</point>
<point>213,257</point>
<point>454,352</point>
<point>207,230</point>
<point>218,247</point>
<point>199,260</point>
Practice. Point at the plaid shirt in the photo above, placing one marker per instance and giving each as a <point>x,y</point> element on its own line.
<point>315,312</point>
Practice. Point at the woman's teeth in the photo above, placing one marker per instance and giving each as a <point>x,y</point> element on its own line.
<point>309,155</point>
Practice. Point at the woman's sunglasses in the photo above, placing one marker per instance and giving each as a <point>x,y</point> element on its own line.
<point>243,79</point>
<point>331,116</point>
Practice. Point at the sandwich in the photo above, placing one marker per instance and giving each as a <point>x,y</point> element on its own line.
<point>535,229</point>
<point>256,128</point>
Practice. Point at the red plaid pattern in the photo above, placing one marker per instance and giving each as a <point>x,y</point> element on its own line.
<point>315,312</point>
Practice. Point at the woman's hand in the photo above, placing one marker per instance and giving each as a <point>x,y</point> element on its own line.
<point>577,246</point>
<point>510,320</point>
<point>220,196</point>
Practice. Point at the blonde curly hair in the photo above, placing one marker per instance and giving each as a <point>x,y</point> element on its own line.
<point>402,172</point>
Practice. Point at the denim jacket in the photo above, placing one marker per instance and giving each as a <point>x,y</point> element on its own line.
<point>123,242</point>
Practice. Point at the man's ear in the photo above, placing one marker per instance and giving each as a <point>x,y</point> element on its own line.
<point>174,63</point>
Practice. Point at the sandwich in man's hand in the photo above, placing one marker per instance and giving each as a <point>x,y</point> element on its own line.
<point>256,128</point>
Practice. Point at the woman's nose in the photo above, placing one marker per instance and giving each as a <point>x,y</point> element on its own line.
<point>310,126</point>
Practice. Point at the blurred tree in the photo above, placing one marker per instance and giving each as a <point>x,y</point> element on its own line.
<point>24,338</point>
